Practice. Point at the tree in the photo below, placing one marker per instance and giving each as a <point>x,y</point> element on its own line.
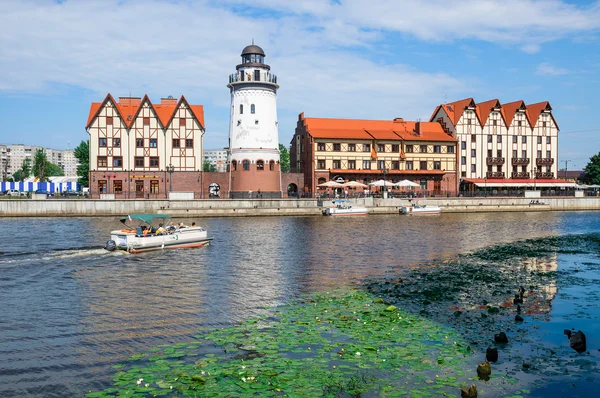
<point>54,170</point>
<point>24,171</point>
<point>40,165</point>
<point>592,170</point>
<point>284,158</point>
<point>82,153</point>
<point>208,166</point>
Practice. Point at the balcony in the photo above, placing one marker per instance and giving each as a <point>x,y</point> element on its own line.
<point>520,161</point>
<point>544,161</point>
<point>544,174</point>
<point>265,77</point>
<point>494,161</point>
<point>519,174</point>
<point>494,174</point>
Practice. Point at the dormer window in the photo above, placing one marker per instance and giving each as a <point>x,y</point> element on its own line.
<point>252,109</point>
<point>241,109</point>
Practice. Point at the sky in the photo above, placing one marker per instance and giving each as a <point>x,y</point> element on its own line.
<point>376,59</point>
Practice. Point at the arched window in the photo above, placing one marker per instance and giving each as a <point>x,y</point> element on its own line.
<point>241,109</point>
<point>321,180</point>
<point>233,165</point>
<point>252,108</point>
<point>260,165</point>
<point>246,164</point>
<point>272,165</point>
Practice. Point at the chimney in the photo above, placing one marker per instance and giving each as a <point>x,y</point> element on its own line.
<point>418,129</point>
<point>130,100</point>
<point>168,101</point>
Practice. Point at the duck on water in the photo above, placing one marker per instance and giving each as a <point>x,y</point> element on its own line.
<point>147,232</point>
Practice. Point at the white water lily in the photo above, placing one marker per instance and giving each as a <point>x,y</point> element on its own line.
<point>139,381</point>
<point>202,373</point>
<point>147,385</point>
<point>243,367</point>
<point>357,354</point>
<point>171,387</point>
<point>244,379</point>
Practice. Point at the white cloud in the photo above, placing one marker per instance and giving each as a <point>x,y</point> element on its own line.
<point>322,51</point>
<point>509,21</point>
<point>546,69</point>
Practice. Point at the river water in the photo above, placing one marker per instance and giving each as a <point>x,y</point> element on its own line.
<point>70,311</point>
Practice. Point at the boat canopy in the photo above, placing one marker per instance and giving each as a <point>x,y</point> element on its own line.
<point>147,218</point>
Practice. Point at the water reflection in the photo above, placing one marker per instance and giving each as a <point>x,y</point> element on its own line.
<point>71,310</point>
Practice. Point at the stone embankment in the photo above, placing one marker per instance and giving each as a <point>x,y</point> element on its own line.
<point>272,207</point>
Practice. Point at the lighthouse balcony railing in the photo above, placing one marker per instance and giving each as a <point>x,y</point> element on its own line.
<point>248,77</point>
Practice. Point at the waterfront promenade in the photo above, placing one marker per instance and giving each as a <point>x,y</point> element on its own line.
<point>280,207</point>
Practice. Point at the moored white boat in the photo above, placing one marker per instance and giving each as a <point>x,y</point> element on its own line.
<point>420,209</point>
<point>343,207</point>
<point>148,235</point>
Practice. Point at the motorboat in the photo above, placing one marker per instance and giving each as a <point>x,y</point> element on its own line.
<point>147,232</point>
<point>343,207</point>
<point>420,209</point>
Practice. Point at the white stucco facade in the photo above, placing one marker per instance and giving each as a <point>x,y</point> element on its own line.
<point>253,130</point>
<point>512,140</point>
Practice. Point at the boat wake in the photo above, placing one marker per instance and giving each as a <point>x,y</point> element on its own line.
<point>56,254</point>
<point>72,253</point>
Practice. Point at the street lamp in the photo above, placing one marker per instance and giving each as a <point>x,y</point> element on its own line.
<point>384,174</point>
<point>485,186</point>
<point>170,170</point>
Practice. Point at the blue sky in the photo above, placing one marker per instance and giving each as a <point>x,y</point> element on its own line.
<point>373,59</point>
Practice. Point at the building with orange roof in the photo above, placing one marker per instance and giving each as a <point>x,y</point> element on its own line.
<point>368,150</point>
<point>143,150</point>
<point>502,141</point>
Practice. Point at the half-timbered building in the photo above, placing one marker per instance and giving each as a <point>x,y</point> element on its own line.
<point>512,141</point>
<point>143,150</point>
<point>368,150</point>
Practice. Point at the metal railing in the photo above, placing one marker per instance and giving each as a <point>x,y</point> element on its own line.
<point>520,161</point>
<point>265,77</point>
<point>519,174</point>
<point>491,161</point>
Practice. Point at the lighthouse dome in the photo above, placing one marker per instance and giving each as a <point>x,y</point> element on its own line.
<point>253,49</point>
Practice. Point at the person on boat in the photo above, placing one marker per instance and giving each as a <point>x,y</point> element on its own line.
<point>193,225</point>
<point>182,225</point>
<point>161,230</point>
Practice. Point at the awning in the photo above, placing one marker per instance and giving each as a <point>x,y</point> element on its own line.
<point>482,183</point>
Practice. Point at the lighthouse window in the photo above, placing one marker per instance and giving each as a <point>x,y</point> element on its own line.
<point>234,165</point>
<point>241,109</point>
<point>257,75</point>
<point>260,165</point>
<point>246,164</point>
<point>252,108</point>
<point>271,165</point>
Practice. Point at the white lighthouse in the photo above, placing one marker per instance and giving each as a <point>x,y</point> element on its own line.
<point>253,131</point>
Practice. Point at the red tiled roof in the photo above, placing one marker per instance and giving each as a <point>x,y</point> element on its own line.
<point>510,110</point>
<point>383,134</point>
<point>376,129</point>
<point>354,134</point>
<point>535,110</point>
<point>485,108</point>
<point>128,109</point>
<point>93,111</point>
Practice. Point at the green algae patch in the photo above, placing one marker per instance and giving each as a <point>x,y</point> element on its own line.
<point>343,343</point>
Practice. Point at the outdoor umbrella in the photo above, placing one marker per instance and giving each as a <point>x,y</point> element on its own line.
<point>382,183</point>
<point>331,184</point>
<point>406,183</point>
<point>354,184</point>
